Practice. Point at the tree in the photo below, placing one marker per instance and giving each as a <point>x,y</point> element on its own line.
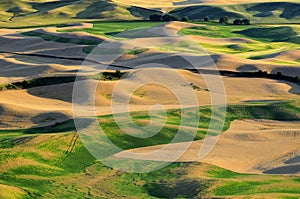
<point>168,17</point>
<point>206,19</point>
<point>246,22</point>
<point>237,22</point>
<point>184,18</point>
<point>24,84</point>
<point>155,17</point>
<point>175,18</point>
<point>279,74</point>
<point>262,73</point>
<point>16,11</point>
<point>223,20</point>
<point>118,73</point>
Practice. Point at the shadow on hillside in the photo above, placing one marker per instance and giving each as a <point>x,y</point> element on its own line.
<point>45,60</point>
<point>96,10</point>
<point>47,119</point>
<point>180,188</point>
<point>61,124</point>
<point>201,11</point>
<point>187,2</point>
<point>61,92</point>
<point>10,69</point>
<point>247,68</point>
<point>290,10</point>
<point>51,122</point>
<point>290,169</point>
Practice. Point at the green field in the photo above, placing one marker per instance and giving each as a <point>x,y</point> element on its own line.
<point>264,40</point>
<point>113,28</point>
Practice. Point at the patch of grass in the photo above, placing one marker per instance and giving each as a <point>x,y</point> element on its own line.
<point>239,188</point>
<point>6,142</point>
<point>137,51</point>
<point>258,187</point>
<point>182,47</point>
<point>109,29</point>
<point>108,76</point>
<point>11,140</point>
<point>215,30</point>
<point>218,172</point>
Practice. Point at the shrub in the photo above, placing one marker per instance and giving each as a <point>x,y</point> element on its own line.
<point>166,17</point>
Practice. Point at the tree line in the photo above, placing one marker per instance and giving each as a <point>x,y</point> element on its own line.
<point>222,20</point>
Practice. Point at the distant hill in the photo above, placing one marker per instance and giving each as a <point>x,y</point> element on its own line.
<point>199,12</point>
<point>22,12</point>
<point>268,12</point>
<point>41,12</point>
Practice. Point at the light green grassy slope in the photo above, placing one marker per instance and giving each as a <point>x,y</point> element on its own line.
<point>262,40</point>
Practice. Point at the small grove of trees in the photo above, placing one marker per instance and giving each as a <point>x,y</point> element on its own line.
<point>166,17</point>
<point>241,22</point>
<point>206,19</point>
<point>155,17</point>
<point>223,20</point>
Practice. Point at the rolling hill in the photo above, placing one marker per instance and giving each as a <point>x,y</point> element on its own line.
<point>45,43</point>
<point>15,13</point>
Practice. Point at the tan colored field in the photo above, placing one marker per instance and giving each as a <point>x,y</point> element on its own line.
<point>249,146</point>
<point>49,104</point>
